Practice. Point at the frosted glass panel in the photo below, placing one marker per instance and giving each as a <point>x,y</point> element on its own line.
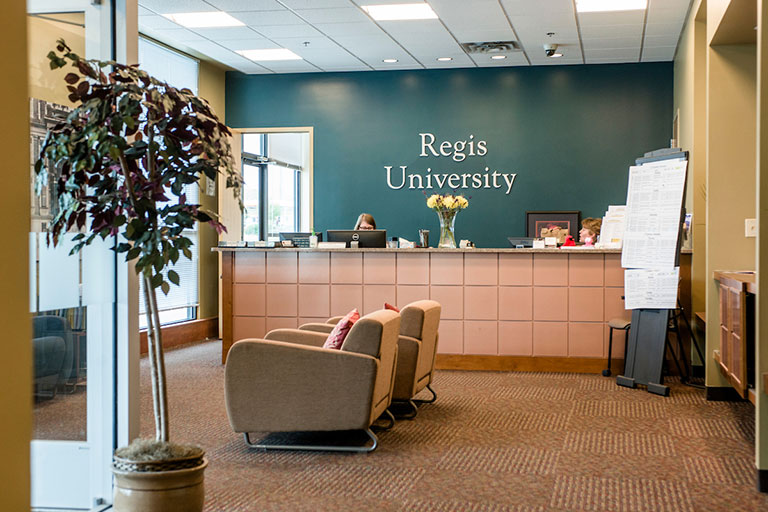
<point>33,272</point>
<point>59,275</point>
<point>98,262</point>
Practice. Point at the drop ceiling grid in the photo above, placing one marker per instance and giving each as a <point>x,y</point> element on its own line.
<point>343,37</point>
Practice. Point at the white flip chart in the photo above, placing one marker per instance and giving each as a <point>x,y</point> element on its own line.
<point>650,288</point>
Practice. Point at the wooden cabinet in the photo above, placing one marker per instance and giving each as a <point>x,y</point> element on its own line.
<point>737,350</point>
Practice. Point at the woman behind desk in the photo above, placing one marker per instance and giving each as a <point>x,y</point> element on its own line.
<point>365,221</point>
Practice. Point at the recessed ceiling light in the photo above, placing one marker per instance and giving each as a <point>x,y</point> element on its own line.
<point>444,59</point>
<point>394,12</point>
<point>555,55</point>
<point>610,5</point>
<point>267,55</point>
<point>204,19</point>
<point>498,57</point>
<point>389,61</point>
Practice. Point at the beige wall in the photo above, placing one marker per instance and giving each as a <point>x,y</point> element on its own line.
<point>44,83</point>
<point>761,309</point>
<point>16,377</point>
<point>211,87</point>
<point>690,104</point>
<point>730,175</point>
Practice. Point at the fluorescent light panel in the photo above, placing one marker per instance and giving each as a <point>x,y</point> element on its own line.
<point>389,61</point>
<point>269,55</point>
<point>610,5</point>
<point>204,19</point>
<point>397,12</point>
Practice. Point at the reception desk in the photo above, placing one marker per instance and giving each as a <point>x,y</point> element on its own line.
<point>503,309</point>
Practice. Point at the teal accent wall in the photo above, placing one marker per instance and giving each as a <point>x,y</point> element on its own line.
<point>568,132</point>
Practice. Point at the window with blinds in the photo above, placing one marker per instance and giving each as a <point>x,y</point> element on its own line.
<point>180,71</point>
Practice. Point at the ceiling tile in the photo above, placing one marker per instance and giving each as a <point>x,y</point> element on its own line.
<point>259,18</point>
<point>612,42</point>
<point>143,11</point>
<point>526,7</point>
<point>297,43</point>
<point>349,29</point>
<point>611,18</point>
<point>659,53</point>
<point>166,7</point>
<point>513,59</point>
<point>156,22</point>
<point>315,4</point>
<point>630,54</point>
<point>246,5</point>
<point>304,30</point>
<point>289,66</point>
<point>666,15</point>
<point>611,30</point>
<point>346,69</point>
<point>180,34</point>
<point>655,41</point>
<point>226,33</point>
<point>325,58</point>
<point>474,35</point>
<point>340,15</point>
<point>662,29</point>
<point>254,43</point>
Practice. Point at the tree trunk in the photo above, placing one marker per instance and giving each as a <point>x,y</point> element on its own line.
<point>156,362</point>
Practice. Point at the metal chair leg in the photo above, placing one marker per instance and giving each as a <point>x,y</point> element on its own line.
<point>408,415</point>
<point>390,418</point>
<point>607,371</point>
<point>323,448</point>
<point>429,400</point>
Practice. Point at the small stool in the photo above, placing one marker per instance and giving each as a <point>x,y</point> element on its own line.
<point>620,324</point>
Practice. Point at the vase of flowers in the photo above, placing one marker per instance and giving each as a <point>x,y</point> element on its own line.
<point>447,206</point>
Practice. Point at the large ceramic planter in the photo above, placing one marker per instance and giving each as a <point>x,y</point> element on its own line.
<point>175,490</point>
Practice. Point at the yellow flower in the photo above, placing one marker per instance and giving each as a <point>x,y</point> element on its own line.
<point>433,200</point>
<point>450,202</point>
<point>463,203</point>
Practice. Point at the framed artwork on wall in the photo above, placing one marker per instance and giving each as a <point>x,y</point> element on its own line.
<point>558,224</point>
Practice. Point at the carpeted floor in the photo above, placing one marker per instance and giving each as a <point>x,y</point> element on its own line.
<point>492,442</point>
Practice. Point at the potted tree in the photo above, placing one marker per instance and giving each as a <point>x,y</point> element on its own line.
<point>119,164</point>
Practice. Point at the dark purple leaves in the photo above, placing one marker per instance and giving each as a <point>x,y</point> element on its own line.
<point>121,160</point>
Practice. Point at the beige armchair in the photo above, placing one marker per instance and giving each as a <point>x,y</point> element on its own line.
<point>417,349</point>
<point>288,383</point>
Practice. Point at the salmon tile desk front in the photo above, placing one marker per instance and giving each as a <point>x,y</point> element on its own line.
<point>495,302</point>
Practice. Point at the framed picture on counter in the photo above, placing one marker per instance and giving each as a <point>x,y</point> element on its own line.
<point>558,224</point>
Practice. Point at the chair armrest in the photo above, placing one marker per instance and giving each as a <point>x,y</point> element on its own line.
<point>334,320</point>
<point>317,327</point>
<point>405,375</point>
<point>297,336</point>
<point>277,386</point>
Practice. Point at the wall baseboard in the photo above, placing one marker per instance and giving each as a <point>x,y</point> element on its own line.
<point>185,332</point>
<point>526,364</point>
<point>722,394</point>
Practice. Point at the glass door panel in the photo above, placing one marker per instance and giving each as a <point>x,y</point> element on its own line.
<point>72,297</point>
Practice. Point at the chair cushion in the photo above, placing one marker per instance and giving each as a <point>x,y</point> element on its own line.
<point>389,306</point>
<point>339,333</point>
<point>619,323</point>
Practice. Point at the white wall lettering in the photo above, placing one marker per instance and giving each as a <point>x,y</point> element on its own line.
<point>458,151</point>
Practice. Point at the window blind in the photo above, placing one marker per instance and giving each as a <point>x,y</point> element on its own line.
<point>179,71</point>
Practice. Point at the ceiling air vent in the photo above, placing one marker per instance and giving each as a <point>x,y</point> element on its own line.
<point>491,47</point>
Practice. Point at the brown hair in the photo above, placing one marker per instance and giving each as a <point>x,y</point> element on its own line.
<point>592,224</point>
<point>367,217</point>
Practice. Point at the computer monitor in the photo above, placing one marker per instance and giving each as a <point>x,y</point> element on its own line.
<point>520,242</point>
<point>363,237</point>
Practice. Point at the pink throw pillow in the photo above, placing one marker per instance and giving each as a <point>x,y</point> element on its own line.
<point>389,306</point>
<point>339,333</point>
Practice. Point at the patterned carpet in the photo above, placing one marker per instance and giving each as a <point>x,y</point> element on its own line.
<point>492,442</point>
